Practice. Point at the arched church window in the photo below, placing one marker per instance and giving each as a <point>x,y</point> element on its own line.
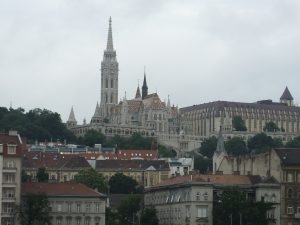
<point>106,83</point>
<point>106,98</point>
<point>112,83</point>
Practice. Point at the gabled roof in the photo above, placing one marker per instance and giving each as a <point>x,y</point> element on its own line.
<point>289,156</point>
<point>286,95</point>
<point>60,189</point>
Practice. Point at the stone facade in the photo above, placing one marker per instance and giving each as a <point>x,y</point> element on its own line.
<point>188,200</point>
<point>71,203</point>
<point>284,165</point>
<point>205,119</point>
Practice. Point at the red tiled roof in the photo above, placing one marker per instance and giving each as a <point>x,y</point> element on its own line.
<point>130,165</point>
<point>60,189</point>
<point>134,105</point>
<point>35,160</point>
<point>217,179</point>
<point>6,139</point>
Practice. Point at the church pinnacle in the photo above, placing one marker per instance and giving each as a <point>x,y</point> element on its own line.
<point>110,46</point>
<point>144,87</point>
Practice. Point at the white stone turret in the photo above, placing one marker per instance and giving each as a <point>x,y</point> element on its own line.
<point>71,122</point>
<point>97,118</point>
<point>109,77</point>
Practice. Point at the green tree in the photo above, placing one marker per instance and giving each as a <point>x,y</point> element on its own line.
<point>232,206</point>
<point>236,146</point>
<point>128,185</point>
<point>261,143</point>
<point>93,137</point>
<point>42,175</point>
<point>111,217</point>
<point>295,143</point>
<point>238,123</point>
<point>202,164</point>
<point>91,178</point>
<point>271,127</point>
<point>208,147</point>
<point>128,209</point>
<point>149,216</point>
<point>165,152</point>
<point>34,209</point>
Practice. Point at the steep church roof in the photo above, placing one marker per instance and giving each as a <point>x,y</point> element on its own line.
<point>110,46</point>
<point>72,116</point>
<point>286,95</point>
<point>138,93</point>
<point>97,111</point>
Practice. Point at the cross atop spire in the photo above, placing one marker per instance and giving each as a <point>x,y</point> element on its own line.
<point>110,46</point>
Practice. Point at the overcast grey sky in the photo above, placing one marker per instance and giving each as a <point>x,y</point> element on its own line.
<point>195,51</point>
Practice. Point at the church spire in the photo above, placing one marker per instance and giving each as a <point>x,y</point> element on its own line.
<point>110,46</point>
<point>144,87</point>
<point>138,93</point>
<point>72,116</point>
<point>71,122</point>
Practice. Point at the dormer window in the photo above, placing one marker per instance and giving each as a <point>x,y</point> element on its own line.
<point>11,149</point>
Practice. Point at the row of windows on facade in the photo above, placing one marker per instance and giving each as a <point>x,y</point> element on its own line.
<point>175,213</point>
<point>76,207</point>
<point>11,149</point>
<point>231,111</point>
<point>291,193</point>
<point>177,198</point>
<point>290,177</point>
<point>78,221</point>
<point>291,209</point>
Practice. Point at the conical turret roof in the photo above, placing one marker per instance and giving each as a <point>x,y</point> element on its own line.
<point>138,93</point>
<point>97,111</point>
<point>72,116</point>
<point>286,95</point>
<point>109,46</point>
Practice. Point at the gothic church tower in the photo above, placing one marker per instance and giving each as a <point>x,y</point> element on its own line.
<point>109,77</point>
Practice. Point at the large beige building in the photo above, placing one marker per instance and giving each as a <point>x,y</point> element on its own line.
<point>71,203</point>
<point>188,200</point>
<point>204,120</point>
<point>283,164</point>
<point>11,148</point>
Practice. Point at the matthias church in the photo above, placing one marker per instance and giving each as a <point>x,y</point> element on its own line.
<point>146,113</point>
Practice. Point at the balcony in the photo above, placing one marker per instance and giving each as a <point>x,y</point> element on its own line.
<point>9,169</point>
<point>9,184</point>
<point>8,199</point>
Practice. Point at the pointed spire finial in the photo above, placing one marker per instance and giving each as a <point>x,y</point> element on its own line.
<point>72,116</point>
<point>145,86</point>
<point>109,46</point>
